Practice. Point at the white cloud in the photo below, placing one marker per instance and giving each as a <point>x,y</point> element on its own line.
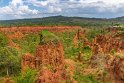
<point>42,3</point>
<point>14,3</point>
<point>26,10</point>
<point>16,8</point>
<point>103,5</point>
<point>52,9</point>
<point>81,7</point>
<point>5,10</point>
<point>38,3</point>
<point>100,5</point>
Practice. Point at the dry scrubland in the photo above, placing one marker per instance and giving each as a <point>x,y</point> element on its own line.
<point>61,54</point>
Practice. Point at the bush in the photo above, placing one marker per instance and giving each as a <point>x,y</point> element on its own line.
<point>9,61</point>
<point>3,40</point>
<point>81,78</point>
<point>28,43</point>
<point>26,77</point>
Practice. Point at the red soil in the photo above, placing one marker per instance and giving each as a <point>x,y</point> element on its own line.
<point>39,28</point>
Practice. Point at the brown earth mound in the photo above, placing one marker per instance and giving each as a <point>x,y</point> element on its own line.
<point>28,60</point>
<point>46,54</point>
<point>55,76</point>
<point>117,68</point>
<point>103,49</point>
<point>50,53</point>
<point>105,44</point>
<point>80,35</point>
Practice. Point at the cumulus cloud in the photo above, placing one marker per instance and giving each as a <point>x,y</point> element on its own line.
<point>52,9</point>
<point>16,8</point>
<point>26,10</point>
<point>38,3</point>
<point>91,8</point>
<point>14,3</point>
<point>42,2</point>
<point>100,5</point>
<point>5,10</point>
<point>103,5</point>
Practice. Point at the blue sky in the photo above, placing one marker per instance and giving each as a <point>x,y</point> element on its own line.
<point>19,9</point>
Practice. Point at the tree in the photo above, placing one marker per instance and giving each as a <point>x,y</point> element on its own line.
<point>9,61</point>
<point>3,40</point>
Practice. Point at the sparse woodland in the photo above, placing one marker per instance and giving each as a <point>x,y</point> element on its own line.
<point>61,54</point>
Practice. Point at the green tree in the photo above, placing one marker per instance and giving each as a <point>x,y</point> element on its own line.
<point>9,61</point>
<point>3,40</point>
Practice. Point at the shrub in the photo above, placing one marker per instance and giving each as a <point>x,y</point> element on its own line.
<point>9,61</point>
<point>26,77</point>
<point>3,40</point>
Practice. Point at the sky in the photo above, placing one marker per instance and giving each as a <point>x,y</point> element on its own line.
<point>19,9</point>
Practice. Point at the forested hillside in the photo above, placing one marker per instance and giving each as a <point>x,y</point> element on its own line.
<point>63,21</point>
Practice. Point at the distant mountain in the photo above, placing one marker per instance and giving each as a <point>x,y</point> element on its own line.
<point>62,20</point>
<point>120,19</point>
